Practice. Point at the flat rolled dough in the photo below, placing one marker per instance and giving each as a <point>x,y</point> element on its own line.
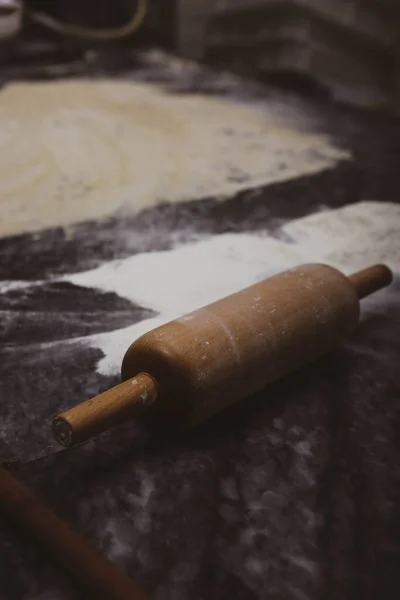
<point>78,149</point>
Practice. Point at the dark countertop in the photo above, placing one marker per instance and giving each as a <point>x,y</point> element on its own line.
<point>296,498</point>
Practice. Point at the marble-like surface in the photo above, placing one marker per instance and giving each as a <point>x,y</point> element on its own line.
<point>292,495</point>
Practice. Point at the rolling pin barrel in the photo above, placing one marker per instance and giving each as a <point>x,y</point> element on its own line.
<point>195,366</point>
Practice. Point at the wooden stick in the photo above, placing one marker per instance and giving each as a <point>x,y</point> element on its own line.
<point>100,577</point>
<point>228,350</point>
<point>113,407</point>
<point>371,280</point>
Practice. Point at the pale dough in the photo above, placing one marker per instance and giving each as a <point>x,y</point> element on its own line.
<point>80,150</point>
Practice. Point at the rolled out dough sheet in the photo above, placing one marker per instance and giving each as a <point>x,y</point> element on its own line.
<point>80,149</point>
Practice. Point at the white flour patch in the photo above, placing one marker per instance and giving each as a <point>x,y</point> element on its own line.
<point>352,237</point>
<point>79,150</point>
<point>9,286</point>
<point>187,277</point>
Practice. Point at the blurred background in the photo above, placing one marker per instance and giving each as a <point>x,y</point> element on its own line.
<point>348,49</point>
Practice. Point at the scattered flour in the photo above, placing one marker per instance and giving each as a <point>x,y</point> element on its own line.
<point>175,282</point>
<point>9,286</point>
<point>187,277</point>
<point>79,150</point>
<point>120,541</point>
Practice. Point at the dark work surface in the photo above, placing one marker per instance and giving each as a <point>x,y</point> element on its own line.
<point>294,498</point>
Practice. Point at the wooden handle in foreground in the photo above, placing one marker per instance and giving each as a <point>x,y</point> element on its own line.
<point>94,572</point>
<point>230,349</point>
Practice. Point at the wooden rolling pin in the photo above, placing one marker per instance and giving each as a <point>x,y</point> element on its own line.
<point>191,368</point>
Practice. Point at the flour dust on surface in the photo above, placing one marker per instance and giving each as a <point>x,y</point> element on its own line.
<point>180,280</point>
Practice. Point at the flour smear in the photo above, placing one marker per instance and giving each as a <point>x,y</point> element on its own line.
<point>78,150</point>
<point>187,277</point>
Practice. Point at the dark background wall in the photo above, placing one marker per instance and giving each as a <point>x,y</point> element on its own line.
<point>158,28</point>
<point>347,48</point>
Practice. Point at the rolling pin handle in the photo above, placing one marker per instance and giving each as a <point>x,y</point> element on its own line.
<point>109,409</point>
<point>371,280</point>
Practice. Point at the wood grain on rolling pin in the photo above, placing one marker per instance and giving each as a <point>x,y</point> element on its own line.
<point>195,366</point>
<point>232,348</point>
